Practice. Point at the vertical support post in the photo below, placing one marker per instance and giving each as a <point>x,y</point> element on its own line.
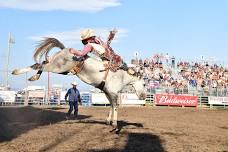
<point>211,106</point>
<point>48,92</point>
<point>26,98</point>
<point>59,95</point>
<point>26,91</point>
<point>154,98</point>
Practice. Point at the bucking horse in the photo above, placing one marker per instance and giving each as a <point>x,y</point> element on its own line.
<point>92,71</point>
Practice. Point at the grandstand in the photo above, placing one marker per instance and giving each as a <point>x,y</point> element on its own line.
<point>184,77</point>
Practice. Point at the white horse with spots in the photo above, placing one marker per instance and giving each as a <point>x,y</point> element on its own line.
<point>92,72</point>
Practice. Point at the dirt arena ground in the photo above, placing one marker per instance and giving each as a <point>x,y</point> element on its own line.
<point>140,129</point>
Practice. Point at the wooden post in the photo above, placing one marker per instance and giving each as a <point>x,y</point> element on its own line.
<point>154,98</point>
<point>48,93</point>
<point>59,95</point>
<point>26,98</point>
<point>26,91</point>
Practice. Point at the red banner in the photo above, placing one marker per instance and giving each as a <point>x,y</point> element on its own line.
<point>176,100</point>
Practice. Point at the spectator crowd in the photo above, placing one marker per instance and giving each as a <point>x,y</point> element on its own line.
<point>162,71</point>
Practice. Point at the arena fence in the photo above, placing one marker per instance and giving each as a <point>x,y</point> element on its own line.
<point>218,92</point>
<point>203,101</point>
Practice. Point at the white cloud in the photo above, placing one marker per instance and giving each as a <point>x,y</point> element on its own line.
<point>65,5</point>
<point>70,38</point>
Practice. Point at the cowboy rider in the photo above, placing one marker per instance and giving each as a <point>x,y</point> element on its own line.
<point>91,43</point>
<point>95,45</point>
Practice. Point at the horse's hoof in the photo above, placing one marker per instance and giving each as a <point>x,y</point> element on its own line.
<point>15,72</point>
<point>34,78</point>
<point>108,122</point>
<point>114,124</point>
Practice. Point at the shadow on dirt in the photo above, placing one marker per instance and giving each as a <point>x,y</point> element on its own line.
<point>55,108</point>
<point>224,127</point>
<point>15,121</point>
<point>138,142</point>
<point>121,124</point>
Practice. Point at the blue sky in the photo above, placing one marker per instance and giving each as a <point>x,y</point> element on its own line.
<point>185,29</point>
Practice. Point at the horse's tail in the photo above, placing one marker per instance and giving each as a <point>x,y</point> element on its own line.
<point>44,48</point>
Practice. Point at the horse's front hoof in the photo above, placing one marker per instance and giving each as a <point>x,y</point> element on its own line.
<point>34,78</point>
<point>108,122</point>
<point>114,124</point>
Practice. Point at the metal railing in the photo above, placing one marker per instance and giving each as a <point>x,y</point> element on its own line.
<point>218,92</point>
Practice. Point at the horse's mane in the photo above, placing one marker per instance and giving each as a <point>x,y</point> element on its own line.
<point>44,47</point>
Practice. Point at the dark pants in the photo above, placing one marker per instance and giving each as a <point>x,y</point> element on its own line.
<point>73,105</point>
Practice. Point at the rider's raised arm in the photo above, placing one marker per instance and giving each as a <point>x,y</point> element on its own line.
<point>83,52</point>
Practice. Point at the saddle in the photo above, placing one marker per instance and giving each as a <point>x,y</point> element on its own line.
<point>77,68</point>
<point>78,65</point>
<point>115,61</point>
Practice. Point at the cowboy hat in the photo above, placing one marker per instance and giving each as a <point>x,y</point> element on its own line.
<point>74,83</point>
<point>87,33</point>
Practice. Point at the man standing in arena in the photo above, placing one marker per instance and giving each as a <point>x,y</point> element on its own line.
<point>73,95</point>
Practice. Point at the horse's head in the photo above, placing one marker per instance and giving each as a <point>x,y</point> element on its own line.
<point>140,89</point>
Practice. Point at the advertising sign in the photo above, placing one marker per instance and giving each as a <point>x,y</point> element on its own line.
<point>36,94</point>
<point>7,96</point>
<point>131,99</point>
<point>99,98</point>
<point>218,100</point>
<point>176,100</point>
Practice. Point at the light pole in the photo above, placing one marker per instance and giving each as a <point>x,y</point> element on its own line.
<point>10,42</point>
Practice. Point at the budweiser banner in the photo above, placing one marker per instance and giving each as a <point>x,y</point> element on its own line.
<point>176,100</point>
<point>218,100</point>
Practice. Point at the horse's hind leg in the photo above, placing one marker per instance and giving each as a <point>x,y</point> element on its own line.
<point>36,76</point>
<point>21,71</point>
<point>38,67</point>
<point>35,66</point>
